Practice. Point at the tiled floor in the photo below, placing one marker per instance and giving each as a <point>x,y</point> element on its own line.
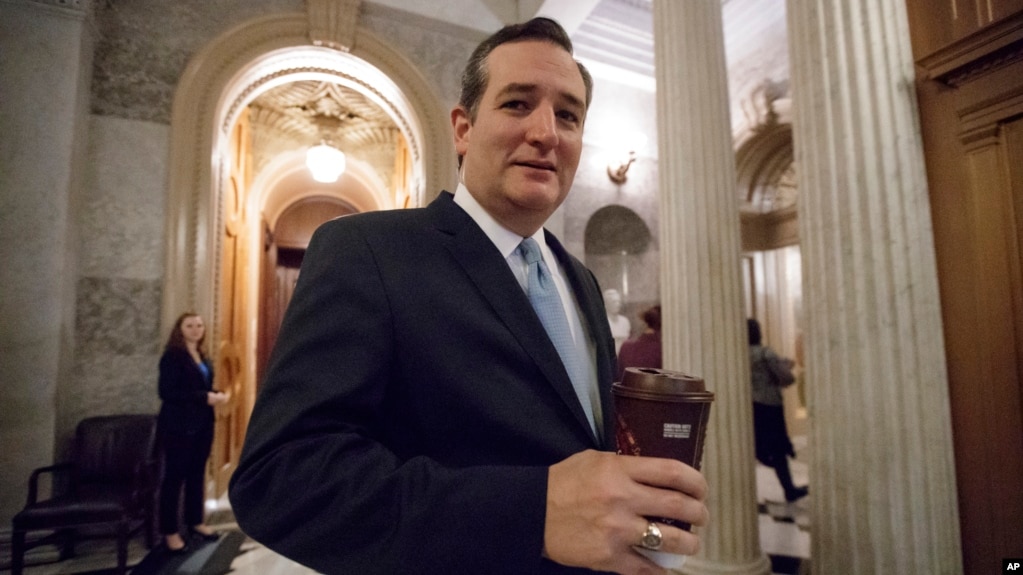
<point>785,527</point>
<point>784,536</point>
<point>90,556</point>
<point>97,557</point>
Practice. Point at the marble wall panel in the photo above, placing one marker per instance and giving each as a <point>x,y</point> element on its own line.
<point>117,316</point>
<point>439,50</point>
<point>122,218</point>
<point>145,45</point>
<point>121,231</point>
<point>117,349</point>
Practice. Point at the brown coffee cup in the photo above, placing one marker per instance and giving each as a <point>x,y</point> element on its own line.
<point>662,413</point>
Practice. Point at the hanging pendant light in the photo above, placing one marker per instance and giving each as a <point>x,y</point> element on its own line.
<point>325,162</point>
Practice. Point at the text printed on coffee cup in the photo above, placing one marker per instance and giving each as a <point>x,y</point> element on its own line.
<point>677,430</point>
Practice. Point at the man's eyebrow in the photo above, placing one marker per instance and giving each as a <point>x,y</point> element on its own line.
<point>525,88</point>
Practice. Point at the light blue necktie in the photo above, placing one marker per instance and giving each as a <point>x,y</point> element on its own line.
<point>543,294</point>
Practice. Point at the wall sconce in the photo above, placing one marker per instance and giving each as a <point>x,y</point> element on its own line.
<point>325,162</point>
<point>616,169</point>
<point>625,147</point>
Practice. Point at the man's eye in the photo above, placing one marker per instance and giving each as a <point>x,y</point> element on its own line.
<point>514,105</point>
<point>568,116</point>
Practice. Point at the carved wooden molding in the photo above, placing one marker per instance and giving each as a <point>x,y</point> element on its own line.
<point>984,51</point>
<point>983,119</point>
<point>981,137</point>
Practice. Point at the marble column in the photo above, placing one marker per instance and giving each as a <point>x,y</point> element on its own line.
<point>883,494</point>
<point>704,328</point>
<point>46,50</point>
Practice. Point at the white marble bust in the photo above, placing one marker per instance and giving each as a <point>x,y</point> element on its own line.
<point>621,328</point>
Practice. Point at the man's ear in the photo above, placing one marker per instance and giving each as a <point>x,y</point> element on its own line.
<point>461,127</point>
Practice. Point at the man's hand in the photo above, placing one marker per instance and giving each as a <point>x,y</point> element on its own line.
<point>597,503</point>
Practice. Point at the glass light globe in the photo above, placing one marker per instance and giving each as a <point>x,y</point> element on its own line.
<point>325,163</point>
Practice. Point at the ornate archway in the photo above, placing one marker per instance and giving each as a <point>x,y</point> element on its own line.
<point>210,220</point>
<point>208,92</point>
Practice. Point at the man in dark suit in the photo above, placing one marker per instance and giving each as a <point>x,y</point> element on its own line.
<point>416,416</point>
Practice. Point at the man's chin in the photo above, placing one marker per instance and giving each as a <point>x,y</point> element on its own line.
<point>538,203</point>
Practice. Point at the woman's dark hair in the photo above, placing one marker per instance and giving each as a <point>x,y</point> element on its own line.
<point>753,326</point>
<point>652,317</point>
<point>177,338</point>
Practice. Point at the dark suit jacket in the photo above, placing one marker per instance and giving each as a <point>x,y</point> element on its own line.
<point>413,404</point>
<point>184,409</point>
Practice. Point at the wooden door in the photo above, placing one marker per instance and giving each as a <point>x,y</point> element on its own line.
<point>970,93</point>
<point>280,269</point>
<point>284,244</point>
<point>233,309</point>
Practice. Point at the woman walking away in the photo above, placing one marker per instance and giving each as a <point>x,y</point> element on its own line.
<point>769,374</point>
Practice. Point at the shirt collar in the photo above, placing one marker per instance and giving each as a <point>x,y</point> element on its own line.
<point>506,240</point>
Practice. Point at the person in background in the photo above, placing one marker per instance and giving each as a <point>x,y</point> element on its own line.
<point>438,400</point>
<point>769,374</point>
<point>621,328</point>
<point>185,428</point>
<point>644,350</point>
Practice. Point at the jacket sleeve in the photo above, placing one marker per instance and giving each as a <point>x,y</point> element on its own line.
<point>320,481</point>
<point>780,368</point>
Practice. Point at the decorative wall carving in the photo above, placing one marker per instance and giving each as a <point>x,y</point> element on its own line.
<point>332,23</point>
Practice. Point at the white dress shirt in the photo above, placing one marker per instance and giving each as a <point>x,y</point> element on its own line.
<point>507,242</point>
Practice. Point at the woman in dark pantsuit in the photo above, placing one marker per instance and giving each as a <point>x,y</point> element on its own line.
<point>186,429</point>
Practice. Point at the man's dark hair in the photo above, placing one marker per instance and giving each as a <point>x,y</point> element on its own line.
<point>474,77</point>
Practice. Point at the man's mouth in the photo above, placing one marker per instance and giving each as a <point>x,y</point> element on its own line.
<point>547,166</point>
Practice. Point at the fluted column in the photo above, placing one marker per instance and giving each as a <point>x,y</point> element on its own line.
<point>701,284</point>
<point>884,496</point>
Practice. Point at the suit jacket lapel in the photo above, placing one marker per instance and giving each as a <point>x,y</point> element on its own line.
<point>490,273</point>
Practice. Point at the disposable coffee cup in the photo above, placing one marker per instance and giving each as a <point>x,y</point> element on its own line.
<point>662,413</point>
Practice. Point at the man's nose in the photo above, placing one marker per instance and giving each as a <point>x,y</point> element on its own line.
<point>543,129</point>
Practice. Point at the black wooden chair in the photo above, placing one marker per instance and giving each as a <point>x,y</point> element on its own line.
<point>108,489</point>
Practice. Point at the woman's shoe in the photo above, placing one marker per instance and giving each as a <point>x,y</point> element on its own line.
<point>199,535</point>
<point>175,551</point>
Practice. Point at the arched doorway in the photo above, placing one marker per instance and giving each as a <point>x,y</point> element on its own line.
<point>621,252</point>
<point>219,189</point>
